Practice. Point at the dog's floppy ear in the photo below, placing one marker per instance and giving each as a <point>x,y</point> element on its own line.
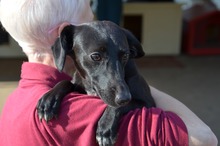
<point>135,47</point>
<point>63,46</point>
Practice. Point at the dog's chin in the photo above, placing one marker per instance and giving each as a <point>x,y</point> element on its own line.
<point>111,103</point>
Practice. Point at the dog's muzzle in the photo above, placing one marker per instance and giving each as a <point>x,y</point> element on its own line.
<point>123,99</point>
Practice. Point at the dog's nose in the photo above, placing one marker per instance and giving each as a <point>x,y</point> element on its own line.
<point>123,99</point>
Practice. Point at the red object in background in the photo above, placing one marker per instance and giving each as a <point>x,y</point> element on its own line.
<point>202,34</point>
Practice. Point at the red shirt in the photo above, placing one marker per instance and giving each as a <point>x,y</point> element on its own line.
<point>76,124</point>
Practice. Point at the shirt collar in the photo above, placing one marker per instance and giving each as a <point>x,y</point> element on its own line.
<point>41,72</point>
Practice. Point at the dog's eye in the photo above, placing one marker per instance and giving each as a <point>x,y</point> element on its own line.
<point>96,56</point>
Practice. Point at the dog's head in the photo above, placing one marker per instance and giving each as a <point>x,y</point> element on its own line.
<point>100,51</point>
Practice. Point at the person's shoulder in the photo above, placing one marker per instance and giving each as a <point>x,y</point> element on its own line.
<point>153,125</point>
<point>82,105</point>
<point>77,117</point>
<point>151,114</point>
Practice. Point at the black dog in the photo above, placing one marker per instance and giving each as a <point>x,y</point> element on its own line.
<point>102,53</point>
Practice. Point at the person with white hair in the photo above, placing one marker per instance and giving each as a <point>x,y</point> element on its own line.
<point>35,25</point>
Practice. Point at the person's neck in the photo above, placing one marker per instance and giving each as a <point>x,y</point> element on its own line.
<point>69,67</point>
<point>46,59</point>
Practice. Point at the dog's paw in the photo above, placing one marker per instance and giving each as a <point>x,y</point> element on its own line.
<point>105,137</point>
<point>48,106</point>
<point>107,128</point>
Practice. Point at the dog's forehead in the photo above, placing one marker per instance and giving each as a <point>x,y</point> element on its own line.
<point>105,33</point>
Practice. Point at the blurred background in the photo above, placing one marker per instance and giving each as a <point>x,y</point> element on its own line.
<point>181,39</point>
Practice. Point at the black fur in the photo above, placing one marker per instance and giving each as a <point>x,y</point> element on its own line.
<point>103,55</point>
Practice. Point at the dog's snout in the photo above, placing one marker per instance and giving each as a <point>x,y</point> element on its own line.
<point>123,99</point>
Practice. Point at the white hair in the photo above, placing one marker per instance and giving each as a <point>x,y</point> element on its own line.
<point>29,22</point>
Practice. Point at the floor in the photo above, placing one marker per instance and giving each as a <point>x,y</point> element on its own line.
<point>195,81</point>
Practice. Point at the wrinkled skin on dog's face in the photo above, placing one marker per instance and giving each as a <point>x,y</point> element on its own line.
<point>100,55</point>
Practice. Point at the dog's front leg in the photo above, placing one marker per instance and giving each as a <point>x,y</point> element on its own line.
<point>49,104</point>
<point>108,124</point>
<point>107,128</point>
